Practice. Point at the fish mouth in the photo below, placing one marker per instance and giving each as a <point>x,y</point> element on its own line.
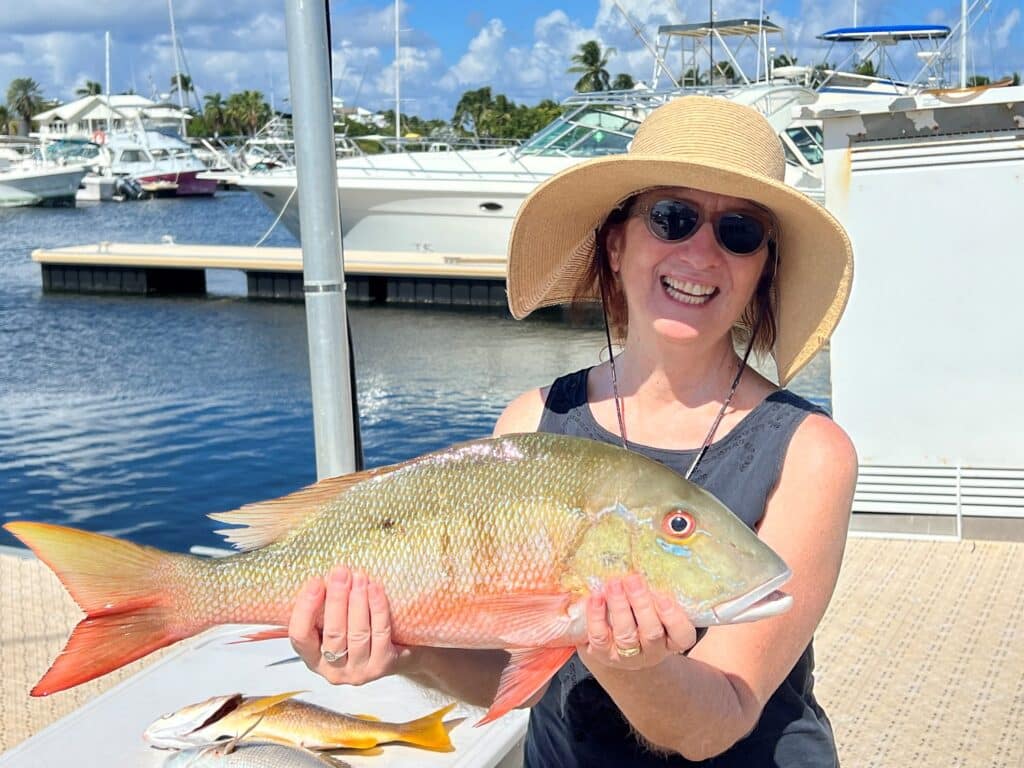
<point>759,603</point>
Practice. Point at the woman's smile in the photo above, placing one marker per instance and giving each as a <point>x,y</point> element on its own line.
<point>687,291</point>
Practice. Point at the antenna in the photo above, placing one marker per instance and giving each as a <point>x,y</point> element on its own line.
<point>177,68</point>
<point>639,33</point>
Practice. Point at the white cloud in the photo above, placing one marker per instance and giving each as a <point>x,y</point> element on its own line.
<point>1002,33</point>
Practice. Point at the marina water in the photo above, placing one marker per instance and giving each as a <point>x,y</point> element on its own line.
<point>136,416</point>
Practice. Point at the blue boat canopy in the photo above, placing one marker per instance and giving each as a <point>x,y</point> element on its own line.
<point>889,33</point>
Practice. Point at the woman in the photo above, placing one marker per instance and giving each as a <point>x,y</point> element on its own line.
<point>692,242</point>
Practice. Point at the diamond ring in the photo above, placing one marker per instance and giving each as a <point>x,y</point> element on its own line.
<point>332,657</point>
<point>628,653</point>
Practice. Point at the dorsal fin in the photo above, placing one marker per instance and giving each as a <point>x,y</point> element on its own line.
<point>268,521</point>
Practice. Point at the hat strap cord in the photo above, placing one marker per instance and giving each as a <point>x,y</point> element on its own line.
<point>618,399</point>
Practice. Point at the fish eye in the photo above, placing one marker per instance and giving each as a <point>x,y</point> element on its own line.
<point>679,524</point>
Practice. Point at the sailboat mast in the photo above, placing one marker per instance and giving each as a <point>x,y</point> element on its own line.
<point>963,43</point>
<point>398,82</point>
<point>177,69</point>
<point>106,87</point>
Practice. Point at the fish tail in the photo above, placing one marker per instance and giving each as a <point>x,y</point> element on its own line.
<point>429,731</point>
<point>125,590</point>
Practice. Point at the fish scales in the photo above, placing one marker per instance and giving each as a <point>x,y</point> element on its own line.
<point>434,538</point>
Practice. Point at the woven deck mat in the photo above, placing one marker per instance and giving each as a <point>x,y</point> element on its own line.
<point>920,659</point>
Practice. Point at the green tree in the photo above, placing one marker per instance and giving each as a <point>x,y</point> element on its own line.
<point>215,112</point>
<point>91,88</point>
<point>866,68</point>
<point>24,97</point>
<point>591,62</point>
<point>623,82</point>
<point>471,111</point>
<point>724,71</point>
<point>693,77</point>
<point>247,111</point>
<point>7,121</point>
<point>976,80</point>
<point>182,82</point>
<point>785,60</point>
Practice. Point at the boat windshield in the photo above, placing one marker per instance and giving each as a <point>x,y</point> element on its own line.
<point>590,131</point>
<point>808,139</point>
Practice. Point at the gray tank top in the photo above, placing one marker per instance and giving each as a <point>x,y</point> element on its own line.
<point>576,723</point>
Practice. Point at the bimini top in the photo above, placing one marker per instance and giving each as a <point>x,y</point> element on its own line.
<point>895,33</point>
<point>726,27</point>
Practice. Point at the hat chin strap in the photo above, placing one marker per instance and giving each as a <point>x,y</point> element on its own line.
<point>615,380</point>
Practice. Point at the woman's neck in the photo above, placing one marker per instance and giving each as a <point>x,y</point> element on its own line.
<point>689,374</point>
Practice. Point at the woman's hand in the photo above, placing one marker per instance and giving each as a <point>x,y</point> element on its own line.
<point>630,627</point>
<point>342,629</point>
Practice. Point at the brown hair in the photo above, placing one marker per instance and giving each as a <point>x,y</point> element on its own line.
<point>602,281</point>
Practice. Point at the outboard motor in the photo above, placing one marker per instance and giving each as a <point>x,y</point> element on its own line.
<point>129,188</point>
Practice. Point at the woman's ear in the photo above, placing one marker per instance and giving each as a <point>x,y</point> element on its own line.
<point>613,246</point>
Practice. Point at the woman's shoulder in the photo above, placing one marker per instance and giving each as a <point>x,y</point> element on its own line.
<point>524,413</point>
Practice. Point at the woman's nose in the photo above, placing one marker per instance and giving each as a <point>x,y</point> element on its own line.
<point>701,249</point>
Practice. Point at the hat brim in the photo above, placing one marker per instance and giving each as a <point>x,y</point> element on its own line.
<point>552,242</point>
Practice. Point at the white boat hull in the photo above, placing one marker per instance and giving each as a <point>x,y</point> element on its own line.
<point>31,185</point>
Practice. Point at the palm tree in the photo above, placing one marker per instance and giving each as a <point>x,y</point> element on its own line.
<point>473,109</point>
<point>91,88</point>
<point>184,82</point>
<point>214,112</point>
<point>623,82</point>
<point>6,120</point>
<point>25,97</point>
<point>724,71</point>
<point>590,63</point>
<point>248,110</point>
<point>785,60</point>
<point>693,76</point>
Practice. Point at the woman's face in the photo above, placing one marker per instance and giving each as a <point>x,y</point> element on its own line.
<point>685,290</point>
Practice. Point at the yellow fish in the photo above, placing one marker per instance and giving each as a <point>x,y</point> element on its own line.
<point>287,720</point>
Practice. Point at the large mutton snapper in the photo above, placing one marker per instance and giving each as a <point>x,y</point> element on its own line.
<point>494,543</point>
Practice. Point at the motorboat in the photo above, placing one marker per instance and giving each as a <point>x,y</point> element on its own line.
<point>34,181</point>
<point>462,202</point>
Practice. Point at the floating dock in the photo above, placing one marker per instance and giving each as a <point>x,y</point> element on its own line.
<point>451,279</point>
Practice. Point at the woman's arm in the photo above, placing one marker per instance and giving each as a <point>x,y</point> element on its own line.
<point>719,690</point>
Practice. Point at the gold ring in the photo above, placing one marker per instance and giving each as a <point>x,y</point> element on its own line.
<point>628,653</point>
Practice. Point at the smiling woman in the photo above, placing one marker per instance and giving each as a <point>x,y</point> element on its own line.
<point>693,245</point>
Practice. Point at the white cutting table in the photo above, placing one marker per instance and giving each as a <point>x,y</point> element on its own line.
<point>108,731</point>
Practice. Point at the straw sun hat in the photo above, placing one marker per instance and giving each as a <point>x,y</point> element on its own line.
<point>704,143</point>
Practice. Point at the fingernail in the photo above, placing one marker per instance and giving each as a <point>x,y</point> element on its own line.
<point>614,587</point>
<point>313,587</point>
<point>340,576</point>
<point>664,602</point>
<point>358,580</point>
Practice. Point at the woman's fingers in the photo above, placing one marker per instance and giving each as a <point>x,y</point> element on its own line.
<point>649,628</point>
<point>382,650</point>
<point>358,622</point>
<point>599,634</point>
<point>620,616</point>
<point>303,628</point>
<point>681,634</point>
<point>336,609</point>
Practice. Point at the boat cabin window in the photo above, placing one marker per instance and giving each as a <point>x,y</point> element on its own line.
<point>808,139</point>
<point>590,133</point>
<point>132,156</point>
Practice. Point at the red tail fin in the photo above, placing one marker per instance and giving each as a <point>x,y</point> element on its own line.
<point>123,589</point>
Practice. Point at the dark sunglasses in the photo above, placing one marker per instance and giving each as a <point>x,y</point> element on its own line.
<point>741,233</point>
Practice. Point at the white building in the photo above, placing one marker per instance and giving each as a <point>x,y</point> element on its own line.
<point>86,116</point>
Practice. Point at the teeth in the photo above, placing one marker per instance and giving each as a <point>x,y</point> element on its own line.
<point>687,292</point>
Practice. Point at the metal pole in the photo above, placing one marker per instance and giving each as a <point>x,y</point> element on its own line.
<point>177,69</point>
<point>963,43</point>
<point>106,88</point>
<point>320,222</point>
<point>398,84</point>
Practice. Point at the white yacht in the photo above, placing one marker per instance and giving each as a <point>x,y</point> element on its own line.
<point>462,203</point>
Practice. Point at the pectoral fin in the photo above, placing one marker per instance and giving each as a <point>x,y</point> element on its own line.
<point>526,673</point>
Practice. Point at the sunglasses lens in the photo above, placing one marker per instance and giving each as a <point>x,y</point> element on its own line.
<point>740,233</point>
<point>671,220</point>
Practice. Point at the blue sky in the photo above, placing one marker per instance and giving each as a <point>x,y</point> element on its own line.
<point>520,48</point>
